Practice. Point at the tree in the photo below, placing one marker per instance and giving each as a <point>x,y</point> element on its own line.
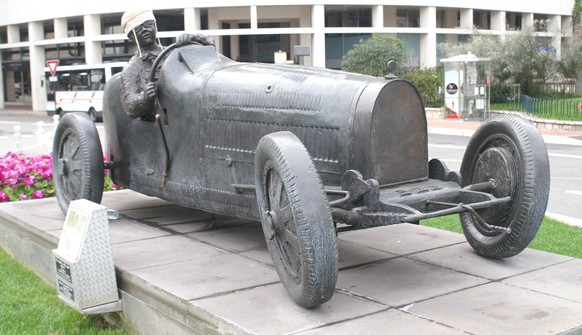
<point>370,56</point>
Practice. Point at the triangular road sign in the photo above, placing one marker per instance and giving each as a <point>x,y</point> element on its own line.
<point>52,65</point>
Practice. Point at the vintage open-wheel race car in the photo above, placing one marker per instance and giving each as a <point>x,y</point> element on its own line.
<point>309,152</point>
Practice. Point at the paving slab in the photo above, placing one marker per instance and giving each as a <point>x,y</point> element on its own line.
<point>402,281</point>
<point>182,271</point>
<point>403,238</point>
<point>127,230</point>
<point>157,251</point>
<point>462,258</point>
<point>568,274</point>
<point>207,276</point>
<point>497,308</point>
<point>238,238</point>
<point>262,311</point>
<point>392,321</point>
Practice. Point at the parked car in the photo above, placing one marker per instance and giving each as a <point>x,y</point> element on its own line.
<point>309,152</point>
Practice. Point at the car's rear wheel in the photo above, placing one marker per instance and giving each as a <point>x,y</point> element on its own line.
<point>93,114</point>
<point>296,219</point>
<point>509,152</point>
<point>78,170</point>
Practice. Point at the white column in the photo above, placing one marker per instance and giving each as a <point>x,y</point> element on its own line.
<point>306,39</point>
<point>527,20</point>
<point>13,33</point>
<point>498,21</point>
<point>234,42</point>
<point>428,40</point>
<point>213,25</point>
<point>37,64</point>
<point>318,25</point>
<point>555,27</point>
<point>467,18</point>
<point>378,16</point>
<point>191,20</point>
<point>93,49</point>
<point>61,28</point>
<point>254,19</point>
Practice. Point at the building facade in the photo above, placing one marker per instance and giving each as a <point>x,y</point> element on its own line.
<point>75,32</point>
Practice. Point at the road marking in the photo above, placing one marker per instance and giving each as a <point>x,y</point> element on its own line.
<point>566,219</point>
<point>447,146</point>
<point>564,155</point>
<point>574,192</point>
<point>451,160</point>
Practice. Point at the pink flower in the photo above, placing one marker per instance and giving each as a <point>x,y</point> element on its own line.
<point>580,106</point>
<point>4,197</point>
<point>29,180</point>
<point>11,182</point>
<point>38,194</point>
<point>23,196</point>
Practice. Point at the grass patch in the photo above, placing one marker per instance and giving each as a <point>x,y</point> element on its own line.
<point>508,106</point>
<point>28,305</point>
<point>553,236</point>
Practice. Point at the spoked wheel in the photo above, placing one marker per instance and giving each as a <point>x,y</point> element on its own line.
<point>296,219</point>
<point>509,152</point>
<point>77,160</point>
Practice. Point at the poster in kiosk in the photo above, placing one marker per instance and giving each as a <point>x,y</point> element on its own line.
<point>83,261</point>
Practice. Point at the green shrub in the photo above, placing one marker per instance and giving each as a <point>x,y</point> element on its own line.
<point>427,81</point>
<point>370,56</point>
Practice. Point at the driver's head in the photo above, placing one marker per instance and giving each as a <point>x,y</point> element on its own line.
<point>140,26</point>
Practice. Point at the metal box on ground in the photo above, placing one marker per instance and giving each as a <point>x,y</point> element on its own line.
<point>84,268</point>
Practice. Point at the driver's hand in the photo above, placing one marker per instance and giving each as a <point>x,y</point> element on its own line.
<point>196,38</point>
<point>183,39</point>
<point>151,90</point>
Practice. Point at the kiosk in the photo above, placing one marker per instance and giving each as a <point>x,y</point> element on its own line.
<point>466,86</point>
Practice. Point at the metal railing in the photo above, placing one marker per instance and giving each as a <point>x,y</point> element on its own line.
<point>559,109</point>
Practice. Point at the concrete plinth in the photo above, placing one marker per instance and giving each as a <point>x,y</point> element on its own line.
<point>182,271</point>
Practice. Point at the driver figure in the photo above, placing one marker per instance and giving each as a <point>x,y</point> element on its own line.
<point>137,94</point>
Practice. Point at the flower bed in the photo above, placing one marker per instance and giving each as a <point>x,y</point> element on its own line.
<point>25,177</point>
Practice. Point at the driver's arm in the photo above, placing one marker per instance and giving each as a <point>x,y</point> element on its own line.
<point>134,99</point>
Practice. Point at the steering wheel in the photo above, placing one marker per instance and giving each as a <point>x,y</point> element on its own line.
<point>163,55</point>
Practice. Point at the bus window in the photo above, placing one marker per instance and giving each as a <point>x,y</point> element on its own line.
<point>79,88</point>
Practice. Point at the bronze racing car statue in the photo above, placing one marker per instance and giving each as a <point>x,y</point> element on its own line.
<point>309,152</point>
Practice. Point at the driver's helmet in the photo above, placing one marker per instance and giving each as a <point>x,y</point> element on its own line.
<point>134,17</point>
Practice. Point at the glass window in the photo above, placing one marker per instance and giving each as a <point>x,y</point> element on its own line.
<point>348,16</point>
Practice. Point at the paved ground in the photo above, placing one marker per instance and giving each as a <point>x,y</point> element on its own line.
<point>182,271</point>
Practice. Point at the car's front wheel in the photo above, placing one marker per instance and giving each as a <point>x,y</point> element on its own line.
<point>78,170</point>
<point>296,219</point>
<point>510,153</point>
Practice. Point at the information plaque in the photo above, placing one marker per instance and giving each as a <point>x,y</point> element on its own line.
<point>83,261</point>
